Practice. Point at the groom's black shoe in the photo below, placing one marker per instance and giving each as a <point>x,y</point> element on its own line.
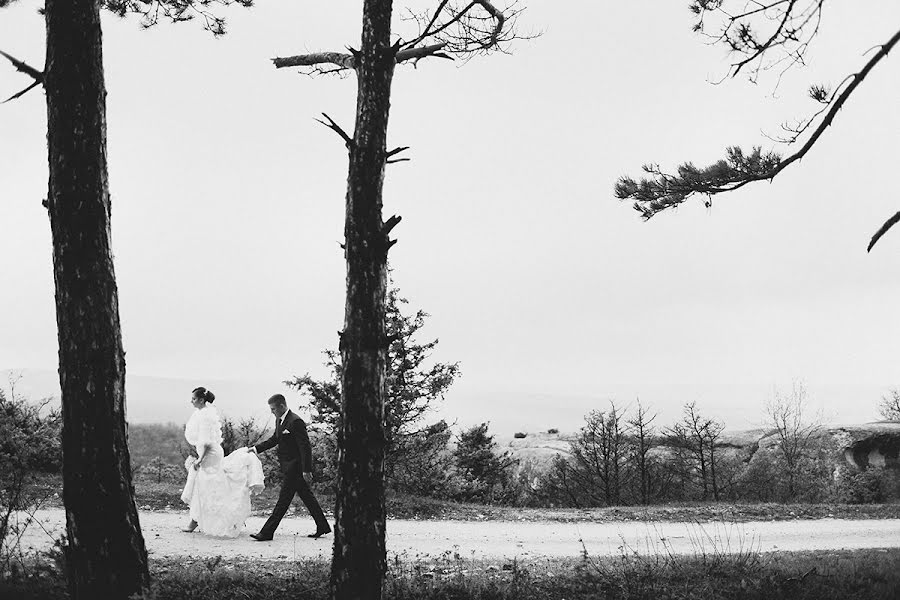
<point>319,533</point>
<point>260,537</point>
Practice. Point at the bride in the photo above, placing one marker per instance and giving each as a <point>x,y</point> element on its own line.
<point>218,487</point>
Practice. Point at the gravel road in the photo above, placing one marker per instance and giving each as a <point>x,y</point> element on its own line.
<point>502,539</point>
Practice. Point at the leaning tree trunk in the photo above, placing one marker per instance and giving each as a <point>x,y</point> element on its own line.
<point>359,552</point>
<point>106,557</point>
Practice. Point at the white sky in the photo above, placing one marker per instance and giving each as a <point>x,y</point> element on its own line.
<point>228,211</point>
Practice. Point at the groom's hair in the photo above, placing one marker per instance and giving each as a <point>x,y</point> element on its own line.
<point>278,399</point>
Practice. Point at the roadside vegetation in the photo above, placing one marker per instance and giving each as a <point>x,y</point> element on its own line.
<point>844,575</point>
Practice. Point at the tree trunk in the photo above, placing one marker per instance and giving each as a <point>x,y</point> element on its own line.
<point>712,470</point>
<point>106,557</point>
<point>359,560</point>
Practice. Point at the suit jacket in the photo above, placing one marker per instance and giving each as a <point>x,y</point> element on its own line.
<point>294,449</point>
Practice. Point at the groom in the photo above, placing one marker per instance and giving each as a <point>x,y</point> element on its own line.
<point>295,459</point>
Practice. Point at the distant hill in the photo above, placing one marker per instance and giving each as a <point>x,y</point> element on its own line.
<point>164,399</point>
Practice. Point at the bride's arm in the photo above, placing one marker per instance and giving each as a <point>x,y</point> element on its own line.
<point>203,454</point>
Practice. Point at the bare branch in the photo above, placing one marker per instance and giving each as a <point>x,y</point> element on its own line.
<point>339,59</point>
<point>344,61</point>
<point>22,93</point>
<point>882,230</point>
<point>390,224</point>
<point>23,67</point>
<point>467,28</point>
<point>422,52</point>
<point>756,32</point>
<point>337,129</point>
<point>396,151</point>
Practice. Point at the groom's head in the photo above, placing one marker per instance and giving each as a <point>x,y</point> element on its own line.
<point>278,405</point>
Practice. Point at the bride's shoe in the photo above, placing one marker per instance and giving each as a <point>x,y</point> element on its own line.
<point>191,527</point>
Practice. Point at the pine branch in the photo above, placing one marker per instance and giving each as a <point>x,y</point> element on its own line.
<point>652,195</point>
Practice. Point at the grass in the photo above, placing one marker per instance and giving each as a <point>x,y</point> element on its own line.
<point>844,575</point>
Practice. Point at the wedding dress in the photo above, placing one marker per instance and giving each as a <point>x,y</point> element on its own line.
<point>218,493</point>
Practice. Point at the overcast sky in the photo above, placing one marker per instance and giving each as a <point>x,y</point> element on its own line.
<point>228,210</point>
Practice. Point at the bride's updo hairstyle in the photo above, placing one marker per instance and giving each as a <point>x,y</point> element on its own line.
<point>205,394</point>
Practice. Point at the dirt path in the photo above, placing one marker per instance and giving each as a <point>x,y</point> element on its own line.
<point>499,539</point>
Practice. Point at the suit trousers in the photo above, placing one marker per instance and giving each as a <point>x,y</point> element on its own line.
<point>294,483</point>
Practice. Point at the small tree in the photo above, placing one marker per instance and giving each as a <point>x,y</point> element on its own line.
<point>795,435</point>
<point>560,485</point>
<point>484,473</point>
<point>425,468</point>
<point>599,454</point>
<point>246,432</point>
<point>158,470</point>
<point>600,465</point>
<point>29,446</point>
<point>696,440</point>
<point>641,435</point>
<point>889,408</point>
<point>413,384</point>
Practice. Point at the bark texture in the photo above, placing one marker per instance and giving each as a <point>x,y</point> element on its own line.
<point>106,556</point>
<point>359,563</point>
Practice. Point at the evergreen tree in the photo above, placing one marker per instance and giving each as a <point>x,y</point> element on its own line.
<point>485,474</point>
<point>413,384</point>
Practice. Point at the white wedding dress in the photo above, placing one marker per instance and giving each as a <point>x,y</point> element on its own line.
<point>219,492</point>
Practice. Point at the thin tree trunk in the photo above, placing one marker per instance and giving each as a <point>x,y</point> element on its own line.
<point>359,560</point>
<point>712,469</point>
<point>106,557</point>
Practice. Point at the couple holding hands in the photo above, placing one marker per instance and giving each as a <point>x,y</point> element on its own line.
<point>218,487</point>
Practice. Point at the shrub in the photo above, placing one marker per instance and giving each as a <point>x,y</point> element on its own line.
<point>866,487</point>
<point>482,475</point>
<point>553,430</point>
<point>29,446</point>
<point>159,470</point>
<point>519,435</point>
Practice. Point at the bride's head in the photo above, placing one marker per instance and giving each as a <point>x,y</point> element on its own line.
<point>201,396</point>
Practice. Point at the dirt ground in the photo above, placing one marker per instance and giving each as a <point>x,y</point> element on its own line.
<point>501,539</point>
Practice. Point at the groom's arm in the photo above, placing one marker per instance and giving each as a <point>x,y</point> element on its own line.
<point>263,446</point>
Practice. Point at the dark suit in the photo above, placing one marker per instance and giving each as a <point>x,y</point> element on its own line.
<point>295,458</point>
